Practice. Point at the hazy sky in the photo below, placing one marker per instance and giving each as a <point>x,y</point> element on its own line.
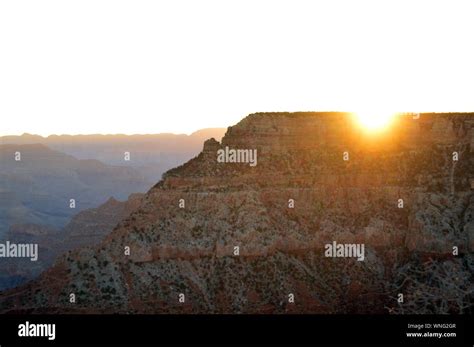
<point>177,66</point>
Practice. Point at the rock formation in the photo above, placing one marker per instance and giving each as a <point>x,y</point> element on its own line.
<point>240,239</point>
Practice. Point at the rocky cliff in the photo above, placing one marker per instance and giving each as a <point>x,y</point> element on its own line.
<point>226,237</point>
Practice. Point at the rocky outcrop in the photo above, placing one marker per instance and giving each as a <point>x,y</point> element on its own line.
<point>238,238</point>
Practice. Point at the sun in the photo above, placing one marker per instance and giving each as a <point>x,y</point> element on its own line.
<point>375,120</point>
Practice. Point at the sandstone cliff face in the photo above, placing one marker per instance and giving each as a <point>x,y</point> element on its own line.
<point>190,249</point>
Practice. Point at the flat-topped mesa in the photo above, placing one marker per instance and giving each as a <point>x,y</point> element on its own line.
<point>284,131</point>
<point>307,146</point>
<point>309,129</point>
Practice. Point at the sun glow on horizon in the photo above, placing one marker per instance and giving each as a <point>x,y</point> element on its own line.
<point>375,120</point>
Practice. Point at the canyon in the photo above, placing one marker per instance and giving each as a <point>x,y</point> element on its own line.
<point>188,249</point>
<point>40,175</point>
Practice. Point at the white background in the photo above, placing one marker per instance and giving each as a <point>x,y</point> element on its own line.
<point>177,66</point>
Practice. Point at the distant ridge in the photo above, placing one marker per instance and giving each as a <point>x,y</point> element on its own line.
<point>30,138</point>
<point>150,154</point>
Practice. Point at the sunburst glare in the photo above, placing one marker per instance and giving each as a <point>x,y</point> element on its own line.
<point>375,120</point>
